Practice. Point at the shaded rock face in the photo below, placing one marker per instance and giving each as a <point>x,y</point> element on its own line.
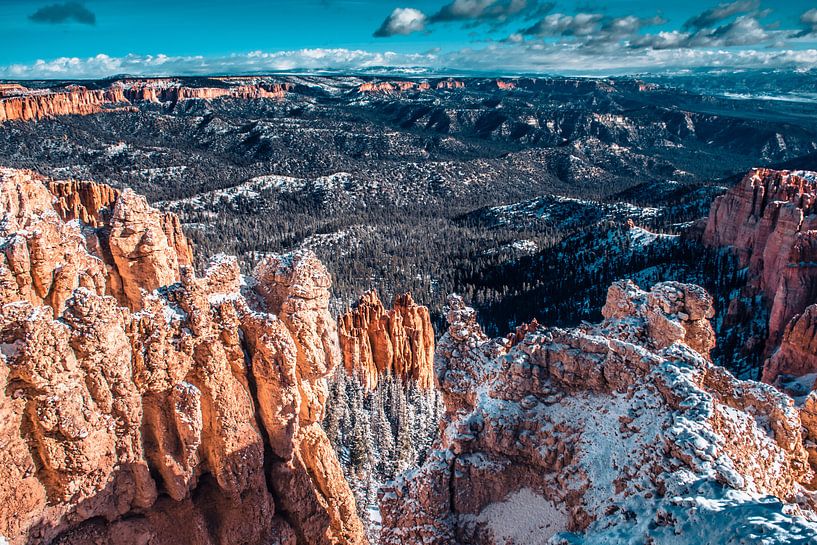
<point>191,414</point>
<point>797,354</point>
<point>619,432</point>
<point>768,220</point>
<point>400,342</point>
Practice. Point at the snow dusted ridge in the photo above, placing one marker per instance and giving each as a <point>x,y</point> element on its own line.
<point>618,432</point>
<point>566,212</point>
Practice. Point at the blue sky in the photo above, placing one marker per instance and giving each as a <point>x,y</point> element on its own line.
<point>101,37</point>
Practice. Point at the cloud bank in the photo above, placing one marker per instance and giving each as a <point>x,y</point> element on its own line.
<point>499,59</point>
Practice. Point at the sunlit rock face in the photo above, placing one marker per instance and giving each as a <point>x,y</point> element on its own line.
<point>769,221</point>
<point>29,105</point>
<point>398,342</point>
<point>144,404</point>
<point>617,432</point>
<point>17,103</point>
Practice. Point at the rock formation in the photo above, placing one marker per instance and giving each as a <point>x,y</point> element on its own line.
<point>143,404</point>
<point>74,100</point>
<point>450,84</point>
<point>153,92</point>
<point>769,221</point>
<point>397,342</point>
<point>619,432</point>
<point>386,87</point>
<point>20,104</point>
<point>797,354</point>
<point>396,87</point>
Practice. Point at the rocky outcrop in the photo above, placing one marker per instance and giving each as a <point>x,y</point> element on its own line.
<point>797,354</point>
<point>191,414</point>
<point>505,85</point>
<point>450,84</point>
<point>769,221</point>
<point>619,432</point>
<point>386,87</point>
<point>139,92</point>
<point>75,100</point>
<point>135,248</point>
<point>397,87</point>
<point>398,342</point>
<point>20,104</point>
<point>89,202</point>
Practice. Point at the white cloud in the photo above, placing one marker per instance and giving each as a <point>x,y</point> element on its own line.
<point>402,21</point>
<point>500,58</point>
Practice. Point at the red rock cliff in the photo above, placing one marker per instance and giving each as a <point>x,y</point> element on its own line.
<point>194,419</point>
<point>768,220</point>
<point>375,341</point>
<point>73,101</point>
<point>20,104</point>
<point>618,432</point>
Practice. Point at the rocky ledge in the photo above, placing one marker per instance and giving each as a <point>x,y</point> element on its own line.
<point>618,432</point>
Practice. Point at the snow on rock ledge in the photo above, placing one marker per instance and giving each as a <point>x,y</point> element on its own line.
<point>623,431</point>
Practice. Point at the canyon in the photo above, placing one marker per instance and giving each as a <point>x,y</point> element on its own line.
<point>158,391</point>
<point>18,103</point>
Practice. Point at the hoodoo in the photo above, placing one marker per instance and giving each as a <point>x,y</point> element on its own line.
<point>144,404</point>
<point>400,342</point>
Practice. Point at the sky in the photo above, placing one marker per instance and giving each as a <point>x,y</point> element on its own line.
<point>99,38</point>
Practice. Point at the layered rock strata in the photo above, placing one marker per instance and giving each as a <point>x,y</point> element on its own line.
<point>20,104</point>
<point>768,220</point>
<point>398,342</point>
<point>144,404</point>
<point>619,432</point>
<point>75,100</point>
<point>396,87</point>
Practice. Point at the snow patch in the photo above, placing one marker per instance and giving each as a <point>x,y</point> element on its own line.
<point>524,518</point>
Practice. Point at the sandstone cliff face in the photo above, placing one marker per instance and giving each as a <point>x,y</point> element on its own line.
<point>797,354</point>
<point>74,101</point>
<point>396,87</point>
<point>768,220</point>
<point>399,342</point>
<point>184,414</point>
<point>20,104</point>
<point>450,84</point>
<point>620,432</point>
<point>386,87</point>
